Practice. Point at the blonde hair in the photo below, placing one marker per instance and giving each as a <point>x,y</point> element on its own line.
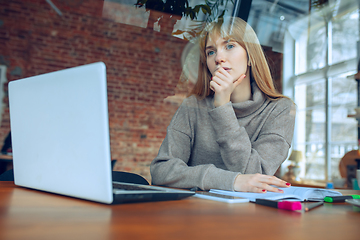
<point>238,30</point>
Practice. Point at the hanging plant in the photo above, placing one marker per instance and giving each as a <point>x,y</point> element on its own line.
<point>168,12</point>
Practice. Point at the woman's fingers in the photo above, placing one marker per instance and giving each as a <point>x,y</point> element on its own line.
<point>270,188</point>
<point>259,183</point>
<point>223,84</point>
<point>264,182</point>
<point>221,72</point>
<point>221,77</point>
<point>277,182</point>
<point>224,79</point>
<point>239,80</point>
<point>270,183</point>
<point>215,86</point>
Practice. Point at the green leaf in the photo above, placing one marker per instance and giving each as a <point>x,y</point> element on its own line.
<point>197,8</point>
<point>205,9</point>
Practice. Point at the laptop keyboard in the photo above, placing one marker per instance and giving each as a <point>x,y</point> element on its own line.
<point>132,187</point>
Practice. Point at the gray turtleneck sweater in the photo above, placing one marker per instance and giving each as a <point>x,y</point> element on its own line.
<point>208,147</point>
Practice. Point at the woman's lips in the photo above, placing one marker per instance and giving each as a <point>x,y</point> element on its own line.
<point>225,68</point>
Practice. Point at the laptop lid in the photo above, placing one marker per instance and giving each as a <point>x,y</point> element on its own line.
<point>60,132</point>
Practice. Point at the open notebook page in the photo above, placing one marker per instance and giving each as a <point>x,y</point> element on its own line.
<point>291,193</point>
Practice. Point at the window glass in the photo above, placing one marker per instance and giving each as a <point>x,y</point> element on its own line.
<point>344,90</point>
<point>338,150</point>
<point>310,128</point>
<point>314,161</point>
<point>316,45</point>
<point>315,125</point>
<point>345,34</point>
<point>300,49</point>
<point>343,128</point>
<point>310,40</point>
<point>341,23</point>
<point>334,32</point>
<point>343,136</point>
<point>310,125</point>
<point>310,94</point>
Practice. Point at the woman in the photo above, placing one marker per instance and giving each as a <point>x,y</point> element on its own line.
<point>235,130</point>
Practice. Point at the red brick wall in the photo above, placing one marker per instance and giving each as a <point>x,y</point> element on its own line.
<point>143,67</point>
<point>275,63</point>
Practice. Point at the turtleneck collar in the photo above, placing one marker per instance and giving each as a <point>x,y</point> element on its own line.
<point>248,107</point>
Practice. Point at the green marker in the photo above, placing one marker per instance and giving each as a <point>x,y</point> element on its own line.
<point>340,198</point>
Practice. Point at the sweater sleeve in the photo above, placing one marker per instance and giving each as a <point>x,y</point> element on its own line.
<point>263,154</point>
<point>170,167</point>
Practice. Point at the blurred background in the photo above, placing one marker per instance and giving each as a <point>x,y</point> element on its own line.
<point>312,48</point>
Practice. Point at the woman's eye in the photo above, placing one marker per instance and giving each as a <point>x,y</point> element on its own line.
<point>209,53</point>
<point>229,46</point>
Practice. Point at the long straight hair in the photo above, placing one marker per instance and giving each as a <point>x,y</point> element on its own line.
<point>238,30</point>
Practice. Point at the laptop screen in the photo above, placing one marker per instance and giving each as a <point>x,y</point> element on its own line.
<point>60,132</point>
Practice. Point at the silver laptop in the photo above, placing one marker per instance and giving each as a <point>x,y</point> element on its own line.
<point>60,138</point>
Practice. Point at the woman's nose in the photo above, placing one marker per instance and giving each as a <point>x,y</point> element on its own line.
<point>220,57</point>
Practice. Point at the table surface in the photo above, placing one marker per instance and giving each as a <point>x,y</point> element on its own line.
<point>30,214</point>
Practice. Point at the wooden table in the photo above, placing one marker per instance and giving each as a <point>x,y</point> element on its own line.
<point>30,214</point>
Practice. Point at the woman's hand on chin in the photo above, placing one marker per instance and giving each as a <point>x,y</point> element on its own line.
<point>258,183</point>
<point>223,85</point>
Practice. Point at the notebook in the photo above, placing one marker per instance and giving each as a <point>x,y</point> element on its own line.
<point>60,137</point>
<point>290,193</point>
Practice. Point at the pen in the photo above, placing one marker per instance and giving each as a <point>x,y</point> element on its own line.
<point>309,206</point>
<point>340,198</point>
<point>286,205</point>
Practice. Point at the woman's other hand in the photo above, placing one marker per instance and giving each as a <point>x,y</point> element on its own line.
<point>258,183</point>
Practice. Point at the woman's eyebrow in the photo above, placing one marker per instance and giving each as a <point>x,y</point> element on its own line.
<point>230,40</point>
<point>209,47</point>
<point>223,43</point>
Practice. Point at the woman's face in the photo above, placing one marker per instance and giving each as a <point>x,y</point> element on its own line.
<point>226,54</point>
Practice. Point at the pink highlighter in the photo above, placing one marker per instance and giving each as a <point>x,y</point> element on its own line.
<point>286,205</point>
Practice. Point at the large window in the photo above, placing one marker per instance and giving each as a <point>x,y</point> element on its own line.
<point>325,91</point>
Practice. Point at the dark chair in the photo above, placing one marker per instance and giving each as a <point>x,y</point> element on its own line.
<point>7,144</point>
<point>128,178</point>
<point>113,162</point>
<point>6,159</point>
<point>7,176</point>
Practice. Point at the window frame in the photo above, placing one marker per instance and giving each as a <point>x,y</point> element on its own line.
<point>329,71</point>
